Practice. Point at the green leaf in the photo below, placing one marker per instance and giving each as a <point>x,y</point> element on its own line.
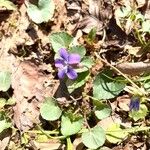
<point>79,50</point>
<point>10,101</point>
<point>92,35</point>
<point>5,81</point>
<point>115,134</point>
<point>146,26</point>
<point>74,84</point>
<point>42,12</point>
<point>140,114</point>
<point>102,110</point>
<point>4,125</point>
<point>49,109</point>
<point>105,86</point>
<point>2,102</point>
<point>94,138</point>
<point>139,17</point>
<point>60,40</point>
<point>70,127</point>
<point>86,64</point>
<point>7,4</point>
<point>123,12</point>
<point>25,139</point>
<point>147,85</point>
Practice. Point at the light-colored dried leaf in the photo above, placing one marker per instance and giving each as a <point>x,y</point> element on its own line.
<point>140,3</point>
<point>136,51</point>
<point>94,8</point>
<point>4,143</point>
<point>123,102</point>
<point>78,145</point>
<point>51,145</point>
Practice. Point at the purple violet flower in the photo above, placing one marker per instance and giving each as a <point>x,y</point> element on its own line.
<point>66,64</point>
<point>134,104</point>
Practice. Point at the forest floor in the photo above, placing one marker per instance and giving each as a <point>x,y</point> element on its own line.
<point>74,75</point>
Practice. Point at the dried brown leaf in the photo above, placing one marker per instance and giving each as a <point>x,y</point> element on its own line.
<point>140,3</point>
<point>94,8</point>
<point>134,68</point>
<point>51,145</point>
<point>60,15</point>
<point>136,51</point>
<point>90,22</point>
<point>29,87</point>
<point>78,145</point>
<point>123,102</point>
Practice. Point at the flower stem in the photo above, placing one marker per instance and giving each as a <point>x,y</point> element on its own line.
<point>131,130</point>
<point>120,73</point>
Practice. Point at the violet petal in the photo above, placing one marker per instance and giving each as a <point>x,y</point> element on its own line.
<point>74,59</point>
<point>71,73</point>
<point>64,54</point>
<point>59,63</point>
<point>137,105</point>
<point>134,104</point>
<point>61,73</point>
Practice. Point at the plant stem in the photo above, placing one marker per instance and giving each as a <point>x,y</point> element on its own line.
<point>120,73</point>
<point>69,144</point>
<point>39,132</point>
<point>131,130</point>
<point>49,136</point>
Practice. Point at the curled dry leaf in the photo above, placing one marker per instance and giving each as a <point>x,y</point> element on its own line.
<point>147,11</point>
<point>50,145</point>
<point>140,3</point>
<point>29,87</point>
<point>100,14</point>
<point>102,10</point>
<point>134,68</point>
<point>94,8</point>
<point>136,51</point>
<point>123,102</point>
<point>90,22</point>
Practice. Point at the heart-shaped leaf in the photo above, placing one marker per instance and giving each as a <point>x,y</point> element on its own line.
<point>70,127</point>
<point>42,12</point>
<point>105,86</point>
<point>60,40</point>
<point>101,110</point>
<point>115,134</point>
<point>2,102</point>
<point>79,50</point>
<point>94,138</point>
<point>145,26</point>
<point>49,109</point>
<point>86,63</point>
